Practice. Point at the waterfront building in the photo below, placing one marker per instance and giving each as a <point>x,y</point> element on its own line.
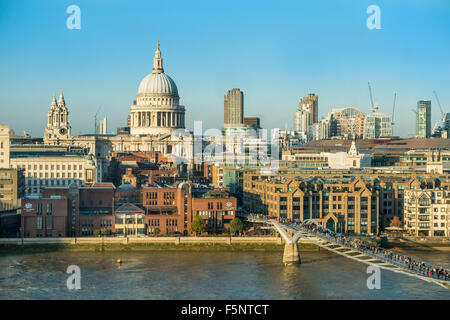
<point>423,119</point>
<point>341,204</point>
<point>427,211</point>
<point>260,188</point>
<point>45,216</point>
<point>12,188</point>
<point>4,145</point>
<point>100,208</point>
<point>377,125</point>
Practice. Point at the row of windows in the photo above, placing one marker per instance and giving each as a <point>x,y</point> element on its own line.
<point>52,175</point>
<point>51,167</point>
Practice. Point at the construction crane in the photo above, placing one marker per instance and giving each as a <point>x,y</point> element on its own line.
<point>393,112</point>
<point>439,103</point>
<point>95,119</point>
<point>371,98</point>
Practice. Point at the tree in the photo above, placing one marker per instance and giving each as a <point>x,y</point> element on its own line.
<point>96,233</point>
<point>104,232</point>
<point>157,231</point>
<point>396,222</point>
<point>197,226</point>
<point>236,225</point>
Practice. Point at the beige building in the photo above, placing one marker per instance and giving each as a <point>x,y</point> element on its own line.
<point>260,189</point>
<point>11,189</point>
<point>233,107</point>
<point>427,211</point>
<point>4,145</point>
<point>58,170</point>
<point>341,204</point>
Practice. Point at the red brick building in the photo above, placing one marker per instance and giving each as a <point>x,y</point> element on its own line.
<point>45,217</point>
<point>127,211</point>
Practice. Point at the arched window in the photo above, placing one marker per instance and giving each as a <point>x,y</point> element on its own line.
<point>424,201</point>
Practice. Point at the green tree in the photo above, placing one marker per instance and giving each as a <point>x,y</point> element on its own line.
<point>104,232</point>
<point>197,226</point>
<point>96,232</point>
<point>236,225</point>
<point>157,231</point>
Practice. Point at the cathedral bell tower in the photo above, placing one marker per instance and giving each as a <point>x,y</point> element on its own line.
<point>58,126</point>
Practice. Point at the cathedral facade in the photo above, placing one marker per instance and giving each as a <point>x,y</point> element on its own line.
<point>154,121</point>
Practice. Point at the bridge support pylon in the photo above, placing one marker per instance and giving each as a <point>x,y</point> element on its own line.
<point>290,236</point>
<point>291,254</point>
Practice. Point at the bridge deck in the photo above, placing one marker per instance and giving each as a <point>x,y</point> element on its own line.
<point>350,253</point>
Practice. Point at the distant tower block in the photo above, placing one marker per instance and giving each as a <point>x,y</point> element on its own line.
<point>233,108</point>
<point>102,127</point>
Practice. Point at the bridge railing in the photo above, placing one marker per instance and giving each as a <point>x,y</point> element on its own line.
<point>418,267</point>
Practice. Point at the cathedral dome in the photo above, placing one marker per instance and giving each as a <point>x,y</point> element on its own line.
<point>158,83</point>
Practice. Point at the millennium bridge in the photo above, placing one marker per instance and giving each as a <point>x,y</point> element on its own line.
<point>351,248</point>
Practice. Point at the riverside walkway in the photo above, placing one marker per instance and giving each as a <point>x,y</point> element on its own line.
<point>354,249</point>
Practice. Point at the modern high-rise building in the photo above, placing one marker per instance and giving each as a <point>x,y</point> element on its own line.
<point>312,102</point>
<point>347,122</point>
<point>377,125</point>
<point>302,120</point>
<point>306,114</point>
<point>102,126</point>
<point>233,108</point>
<point>423,119</point>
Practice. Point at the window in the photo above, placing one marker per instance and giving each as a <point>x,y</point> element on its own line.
<point>49,222</point>
<point>39,222</point>
<point>48,208</point>
<point>424,201</point>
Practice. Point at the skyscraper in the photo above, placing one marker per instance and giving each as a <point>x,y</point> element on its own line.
<point>377,125</point>
<point>423,119</point>
<point>311,102</point>
<point>102,127</point>
<point>306,114</point>
<point>233,108</point>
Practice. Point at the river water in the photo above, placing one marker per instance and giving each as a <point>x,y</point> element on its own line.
<point>205,275</point>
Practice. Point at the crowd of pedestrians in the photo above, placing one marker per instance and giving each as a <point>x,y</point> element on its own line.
<point>395,258</point>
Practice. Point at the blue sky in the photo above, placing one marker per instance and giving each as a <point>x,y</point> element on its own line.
<point>275,51</point>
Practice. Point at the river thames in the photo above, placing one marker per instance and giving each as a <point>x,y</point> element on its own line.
<point>205,275</point>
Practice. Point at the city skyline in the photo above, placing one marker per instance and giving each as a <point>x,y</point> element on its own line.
<point>276,56</point>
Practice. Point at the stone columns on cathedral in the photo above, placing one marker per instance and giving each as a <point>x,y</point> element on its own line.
<point>165,119</point>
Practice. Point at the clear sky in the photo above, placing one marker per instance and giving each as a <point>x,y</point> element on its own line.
<point>275,51</point>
